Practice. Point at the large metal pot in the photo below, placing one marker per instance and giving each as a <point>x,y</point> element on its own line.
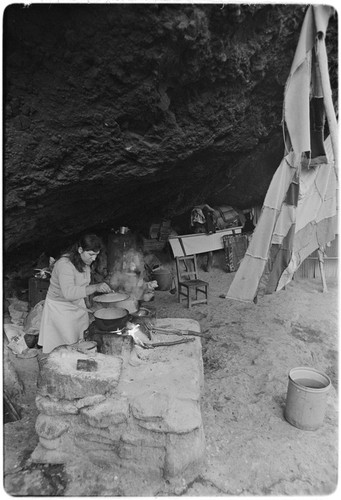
<point>110,319</point>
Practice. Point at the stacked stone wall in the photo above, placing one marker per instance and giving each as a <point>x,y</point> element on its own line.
<point>142,416</point>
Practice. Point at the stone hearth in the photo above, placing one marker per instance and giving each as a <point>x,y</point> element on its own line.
<point>137,413</point>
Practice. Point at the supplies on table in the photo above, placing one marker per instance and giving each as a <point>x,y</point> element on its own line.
<point>207,219</point>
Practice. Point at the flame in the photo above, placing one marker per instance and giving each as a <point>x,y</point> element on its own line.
<point>132,330</point>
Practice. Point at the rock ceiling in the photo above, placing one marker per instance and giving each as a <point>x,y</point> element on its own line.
<point>124,114</point>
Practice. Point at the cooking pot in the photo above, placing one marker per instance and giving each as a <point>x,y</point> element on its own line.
<point>113,318</point>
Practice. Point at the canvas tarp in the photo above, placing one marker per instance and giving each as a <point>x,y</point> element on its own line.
<point>299,211</point>
<point>286,234</point>
<point>296,109</point>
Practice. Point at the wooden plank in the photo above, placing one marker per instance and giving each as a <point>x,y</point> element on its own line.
<point>188,244</point>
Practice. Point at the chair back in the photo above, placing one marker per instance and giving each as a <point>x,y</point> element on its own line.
<point>186,268</point>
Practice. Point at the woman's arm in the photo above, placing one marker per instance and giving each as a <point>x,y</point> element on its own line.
<point>67,278</point>
<point>71,291</point>
<point>98,287</point>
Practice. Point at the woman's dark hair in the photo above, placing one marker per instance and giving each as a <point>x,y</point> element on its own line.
<point>89,242</point>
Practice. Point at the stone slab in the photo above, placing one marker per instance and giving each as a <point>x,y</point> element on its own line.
<point>161,413</point>
<point>53,407</point>
<point>51,427</point>
<point>59,377</point>
<point>184,453</point>
<point>110,412</point>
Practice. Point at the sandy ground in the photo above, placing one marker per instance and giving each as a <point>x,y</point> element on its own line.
<point>251,449</point>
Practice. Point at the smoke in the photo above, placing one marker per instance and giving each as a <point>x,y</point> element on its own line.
<point>126,274</point>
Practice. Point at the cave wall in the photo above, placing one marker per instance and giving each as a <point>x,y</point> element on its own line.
<point>123,114</point>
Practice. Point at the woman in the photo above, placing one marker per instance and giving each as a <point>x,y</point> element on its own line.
<point>65,317</point>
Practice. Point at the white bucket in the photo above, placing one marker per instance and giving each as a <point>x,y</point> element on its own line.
<point>306,398</point>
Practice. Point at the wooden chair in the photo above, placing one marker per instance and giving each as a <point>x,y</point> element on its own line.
<point>189,282</point>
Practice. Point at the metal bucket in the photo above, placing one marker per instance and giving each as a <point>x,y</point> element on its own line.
<point>306,398</point>
<point>164,279</point>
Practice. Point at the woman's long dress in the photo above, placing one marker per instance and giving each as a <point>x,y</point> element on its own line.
<point>64,317</point>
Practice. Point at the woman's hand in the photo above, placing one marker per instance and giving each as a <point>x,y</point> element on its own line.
<point>103,288</point>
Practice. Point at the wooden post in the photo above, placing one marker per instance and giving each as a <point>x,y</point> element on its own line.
<point>209,262</point>
<point>321,254</point>
<point>322,58</point>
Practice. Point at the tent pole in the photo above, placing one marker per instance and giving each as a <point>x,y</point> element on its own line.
<point>321,54</point>
<point>321,254</point>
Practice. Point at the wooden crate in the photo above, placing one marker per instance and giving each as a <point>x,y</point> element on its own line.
<point>151,245</point>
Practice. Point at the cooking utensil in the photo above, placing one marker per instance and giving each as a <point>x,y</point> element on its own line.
<point>167,331</point>
<point>117,299</point>
<point>109,319</point>
<point>110,299</point>
<point>163,344</point>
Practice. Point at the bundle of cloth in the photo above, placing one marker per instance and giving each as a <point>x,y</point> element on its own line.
<point>207,219</point>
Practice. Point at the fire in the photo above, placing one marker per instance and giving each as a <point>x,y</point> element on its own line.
<point>133,330</point>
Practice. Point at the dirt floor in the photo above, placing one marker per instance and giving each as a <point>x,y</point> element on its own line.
<point>251,449</point>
